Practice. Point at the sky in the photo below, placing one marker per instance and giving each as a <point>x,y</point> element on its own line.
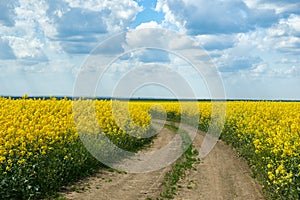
<point>254,45</point>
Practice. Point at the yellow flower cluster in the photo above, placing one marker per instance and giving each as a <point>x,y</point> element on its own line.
<point>41,137</point>
<point>119,120</point>
<point>35,130</point>
<point>272,131</point>
<point>28,128</point>
<point>265,133</point>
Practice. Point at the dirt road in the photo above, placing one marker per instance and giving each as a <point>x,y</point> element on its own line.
<point>221,175</point>
<point>108,185</point>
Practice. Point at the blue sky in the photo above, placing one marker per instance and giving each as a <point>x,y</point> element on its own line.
<point>254,44</point>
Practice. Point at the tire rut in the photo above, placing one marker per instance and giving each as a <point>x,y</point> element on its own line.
<point>113,185</point>
<point>220,175</point>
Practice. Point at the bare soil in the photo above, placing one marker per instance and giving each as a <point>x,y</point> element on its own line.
<point>113,185</point>
<point>220,175</point>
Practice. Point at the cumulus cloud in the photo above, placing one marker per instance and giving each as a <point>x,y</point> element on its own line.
<point>286,27</point>
<point>284,36</point>
<point>216,17</point>
<point>26,48</point>
<point>289,45</point>
<point>116,14</point>
<point>82,24</point>
<point>216,42</point>
<point>78,29</point>
<point>154,56</point>
<point>8,52</point>
<point>161,38</point>
<point>259,69</point>
<point>244,38</point>
<point>239,63</point>
<point>151,24</point>
<point>39,31</point>
<point>146,38</point>
<point>7,15</point>
<point>284,8</point>
<point>25,40</point>
<point>79,22</point>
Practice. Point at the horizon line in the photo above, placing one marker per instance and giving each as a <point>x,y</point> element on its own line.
<point>146,98</point>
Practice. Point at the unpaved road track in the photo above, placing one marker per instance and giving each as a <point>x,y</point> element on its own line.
<point>221,175</point>
<point>114,186</point>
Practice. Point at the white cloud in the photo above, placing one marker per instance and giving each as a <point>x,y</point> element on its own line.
<point>259,69</point>
<point>8,53</point>
<point>288,61</point>
<point>284,36</point>
<point>216,42</point>
<point>32,36</point>
<point>23,33</point>
<point>170,19</point>
<point>116,10</point>
<point>249,39</point>
<point>151,24</point>
<point>26,47</point>
<point>293,23</point>
<point>214,17</point>
<point>82,25</point>
<point>286,27</point>
<point>293,71</point>
<point>7,15</point>
<point>251,3</point>
<point>149,37</point>
<point>120,14</point>
<point>29,37</point>
<point>160,38</point>
<point>281,7</point>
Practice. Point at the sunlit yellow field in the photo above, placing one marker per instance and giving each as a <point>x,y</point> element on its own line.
<point>267,134</point>
<point>40,147</point>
